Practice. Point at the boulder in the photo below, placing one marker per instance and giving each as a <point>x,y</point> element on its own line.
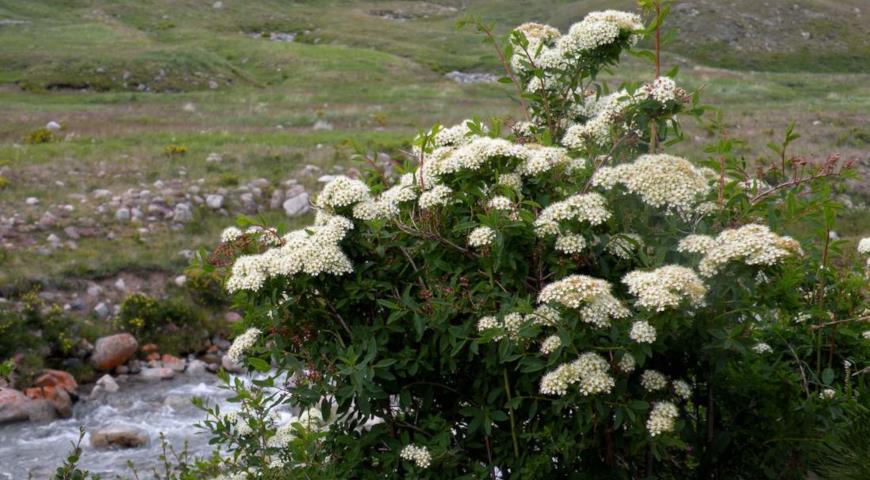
<point>118,437</point>
<point>57,397</point>
<point>12,406</point>
<point>297,205</point>
<point>57,379</point>
<point>214,202</point>
<point>114,350</point>
<point>231,366</point>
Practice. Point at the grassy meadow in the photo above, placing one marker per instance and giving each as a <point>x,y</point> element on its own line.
<point>127,78</point>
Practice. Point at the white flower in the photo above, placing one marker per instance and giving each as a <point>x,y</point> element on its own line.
<point>864,246</point>
<point>761,348</point>
<point>682,389</point>
<point>542,159</point>
<point>660,180</point>
<point>699,244</point>
<point>501,203</point>
<point>665,287</point>
<point>230,234</point>
<point>590,371</point>
<point>513,322</point>
<point>827,394</point>
<point>439,195</point>
<point>550,344</point>
<point>752,244</point>
<point>420,456</point>
<point>590,295</point>
<point>481,237</point>
<point>488,323</point>
<point>662,90</point>
<point>661,418</point>
<point>544,315</point>
<point>570,244</point>
<point>453,136</point>
<point>341,192</point>
<point>653,380</point>
<point>586,208</point>
<point>242,344</point>
<point>642,332</point>
<point>511,180</point>
<point>627,363</point>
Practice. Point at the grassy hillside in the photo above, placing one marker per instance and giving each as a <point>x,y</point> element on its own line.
<point>128,78</point>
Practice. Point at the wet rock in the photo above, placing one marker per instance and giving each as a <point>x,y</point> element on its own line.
<point>231,366</point>
<point>297,205</point>
<point>114,350</point>
<point>173,362</point>
<point>107,384</point>
<point>155,374</point>
<point>196,368</point>
<point>12,406</point>
<point>118,437</point>
<point>177,401</point>
<point>57,397</point>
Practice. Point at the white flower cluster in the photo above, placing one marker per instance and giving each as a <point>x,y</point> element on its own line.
<point>481,237</point>
<point>312,250</point>
<point>550,344</point>
<point>511,180</point>
<point>419,456</point>
<point>864,246</point>
<point>471,156</point>
<point>590,208</point>
<point>550,50</point>
<point>761,348</point>
<point>242,344</point>
<point>341,192</point>
<point>231,234</point>
<point>386,205</point>
<point>599,306</point>
<point>665,287</point>
<point>570,244</point>
<point>827,394</point>
<point>590,371</point>
<point>500,203</point>
<point>653,380</point>
<point>488,323</point>
<point>662,418</point>
<point>627,363</point>
<point>751,244</point>
<point>437,196</point>
<point>682,389</point>
<point>697,244</point>
<point>453,136</point>
<point>662,90</point>
<point>642,332</point>
<point>602,115</point>
<point>542,159</point>
<point>544,315</point>
<point>624,245</point>
<point>660,180</point>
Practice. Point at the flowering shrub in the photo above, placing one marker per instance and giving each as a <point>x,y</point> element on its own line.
<point>555,300</point>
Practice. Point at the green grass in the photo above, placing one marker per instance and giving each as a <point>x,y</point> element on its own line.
<point>377,81</point>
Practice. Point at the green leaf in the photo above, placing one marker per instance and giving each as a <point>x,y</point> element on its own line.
<point>827,376</point>
<point>259,364</point>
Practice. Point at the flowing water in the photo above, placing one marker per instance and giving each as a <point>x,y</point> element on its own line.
<point>37,450</point>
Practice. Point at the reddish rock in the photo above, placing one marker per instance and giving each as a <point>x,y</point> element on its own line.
<point>173,362</point>
<point>149,347</point>
<point>152,357</point>
<point>57,379</point>
<point>58,397</point>
<point>114,350</point>
<point>118,437</point>
<point>12,406</point>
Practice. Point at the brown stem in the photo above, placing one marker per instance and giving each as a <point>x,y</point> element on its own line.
<point>507,68</point>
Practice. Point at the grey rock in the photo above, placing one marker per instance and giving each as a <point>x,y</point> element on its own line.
<point>322,125</point>
<point>108,384</point>
<point>230,365</point>
<point>180,280</point>
<point>122,214</point>
<point>31,201</point>
<point>326,178</point>
<point>196,368</point>
<point>182,213</point>
<point>72,232</point>
<point>102,310</point>
<point>215,202</point>
<point>297,205</point>
<point>53,126</point>
<point>214,158</point>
